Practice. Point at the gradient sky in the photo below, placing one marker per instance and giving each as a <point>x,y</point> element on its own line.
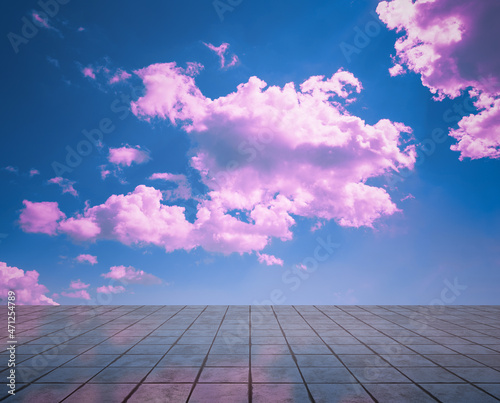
<point>390,157</point>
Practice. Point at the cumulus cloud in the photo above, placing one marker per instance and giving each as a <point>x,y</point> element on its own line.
<point>65,184</point>
<point>250,141</point>
<point>126,156</point>
<point>40,217</point>
<point>265,154</point>
<point>86,258</point>
<point>78,285</point>
<point>109,289</point>
<point>25,284</point>
<point>452,45</point>
<point>34,172</point>
<point>129,275</point>
<point>81,294</point>
<point>269,259</point>
<point>221,52</point>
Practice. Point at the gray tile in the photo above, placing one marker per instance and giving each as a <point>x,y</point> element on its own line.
<point>363,360</point>
<point>454,360</point>
<point>452,393</point>
<point>270,349</point>
<point>120,375</point>
<point>379,374</point>
<point>161,393</point>
<point>272,360</point>
<point>172,375</point>
<point>151,349</point>
<point>276,375</point>
<point>412,360</point>
<point>91,360</point>
<point>189,349</point>
<point>350,349</point>
<point>227,360</point>
<point>491,359</point>
<point>102,393</point>
<point>487,375</point>
<point>135,360</point>
<point>407,393</point>
<point>318,361</point>
<point>224,375</point>
<point>220,393</point>
<point>69,375</point>
<point>44,393</point>
<point>178,360</point>
<point>491,388</point>
<point>431,349</point>
<point>310,349</point>
<point>327,375</point>
<point>268,340</point>
<point>281,393</point>
<point>330,393</point>
<point>430,375</point>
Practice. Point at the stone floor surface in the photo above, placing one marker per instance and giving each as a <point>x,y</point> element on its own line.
<point>254,354</point>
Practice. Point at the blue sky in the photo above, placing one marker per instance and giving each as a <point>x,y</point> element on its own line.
<point>446,229</point>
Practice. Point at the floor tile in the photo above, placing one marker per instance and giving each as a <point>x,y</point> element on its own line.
<point>157,393</point>
<point>453,393</point>
<point>220,393</point>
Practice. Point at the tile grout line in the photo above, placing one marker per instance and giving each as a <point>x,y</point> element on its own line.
<point>311,398</point>
<point>440,366</point>
<point>382,358</point>
<point>195,383</point>
<point>77,355</point>
<point>119,355</point>
<point>164,355</point>
<point>333,352</point>
<point>250,381</point>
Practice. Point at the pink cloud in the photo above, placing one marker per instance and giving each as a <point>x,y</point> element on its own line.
<point>89,72</point>
<point>449,43</point>
<point>127,155</point>
<point>131,275</point>
<point>42,22</point>
<point>25,284</point>
<point>79,228</point>
<point>248,142</point>
<point>409,196</point>
<point>183,190</point>
<point>220,51</point>
<point>109,289</point>
<point>86,258</point>
<point>269,259</point>
<point>65,184</point>
<point>81,294</point>
<point>120,75</point>
<point>34,172</point>
<point>12,169</point>
<point>40,217</point>
<point>78,285</point>
<point>396,70</point>
<point>104,172</point>
<point>247,145</point>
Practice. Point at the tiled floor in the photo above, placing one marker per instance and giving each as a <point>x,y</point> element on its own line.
<point>256,353</point>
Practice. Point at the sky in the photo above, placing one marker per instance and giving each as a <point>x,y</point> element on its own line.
<point>237,152</point>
